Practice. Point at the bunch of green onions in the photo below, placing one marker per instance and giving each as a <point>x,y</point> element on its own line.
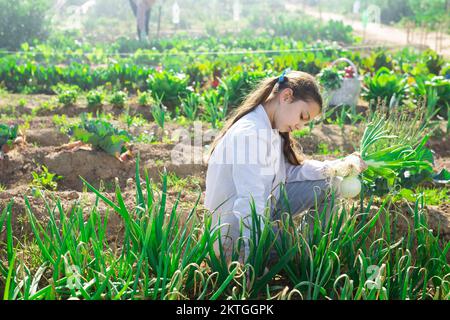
<point>390,157</point>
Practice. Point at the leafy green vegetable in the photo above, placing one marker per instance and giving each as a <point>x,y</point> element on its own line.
<point>118,99</point>
<point>385,85</point>
<point>171,87</point>
<point>331,78</point>
<point>95,98</point>
<point>101,135</point>
<point>45,179</point>
<point>8,134</point>
<point>145,98</point>
<point>238,85</point>
<point>67,94</point>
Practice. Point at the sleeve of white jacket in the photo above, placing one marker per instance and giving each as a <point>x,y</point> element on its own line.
<point>309,170</point>
<point>251,177</point>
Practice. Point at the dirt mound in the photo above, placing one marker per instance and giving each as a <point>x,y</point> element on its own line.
<point>46,137</point>
<point>96,166</point>
<point>16,168</point>
<point>92,165</point>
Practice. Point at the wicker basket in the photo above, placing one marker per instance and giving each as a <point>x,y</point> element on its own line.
<point>349,91</point>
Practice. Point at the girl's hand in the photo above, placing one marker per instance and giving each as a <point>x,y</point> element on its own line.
<point>362,164</point>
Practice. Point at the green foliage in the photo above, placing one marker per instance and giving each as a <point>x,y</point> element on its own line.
<point>429,13</point>
<point>190,105</point>
<point>145,98</point>
<point>61,122</point>
<point>445,71</point>
<point>136,121</point>
<point>95,98</point>
<point>382,59</point>
<point>179,184</point>
<point>158,111</point>
<point>385,85</point>
<point>394,149</point>
<point>35,77</point>
<point>331,78</point>
<point>45,179</point>
<point>166,254</point>
<point>22,21</point>
<point>423,13</point>
<point>8,134</point>
<point>67,94</point>
<point>324,149</point>
<point>434,62</point>
<point>64,60</point>
<point>355,260</point>
<point>436,90</point>
<point>163,257</point>
<point>118,99</point>
<point>101,135</point>
<point>215,107</point>
<point>308,29</point>
<point>304,132</point>
<point>431,196</point>
<point>171,87</point>
<point>22,102</point>
<point>442,177</point>
<point>238,85</point>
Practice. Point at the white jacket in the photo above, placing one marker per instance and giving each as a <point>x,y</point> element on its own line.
<point>249,163</point>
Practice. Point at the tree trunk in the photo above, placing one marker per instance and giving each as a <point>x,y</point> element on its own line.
<point>159,21</point>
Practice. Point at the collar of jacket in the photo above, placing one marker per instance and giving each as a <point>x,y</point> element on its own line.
<point>263,114</point>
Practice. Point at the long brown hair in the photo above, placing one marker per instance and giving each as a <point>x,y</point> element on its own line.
<point>303,86</point>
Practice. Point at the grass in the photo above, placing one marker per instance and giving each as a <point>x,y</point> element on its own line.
<point>179,184</point>
<point>324,149</point>
<point>22,102</point>
<point>158,111</point>
<point>432,196</point>
<point>357,254</point>
<point>44,179</point>
<point>49,105</point>
<point>304,132</point>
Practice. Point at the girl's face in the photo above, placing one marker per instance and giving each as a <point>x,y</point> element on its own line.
<point>290,115</point>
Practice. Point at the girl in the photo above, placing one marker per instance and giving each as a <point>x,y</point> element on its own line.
<point>254,155</point>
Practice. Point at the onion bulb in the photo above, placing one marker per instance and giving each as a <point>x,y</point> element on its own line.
<point>350,187</point>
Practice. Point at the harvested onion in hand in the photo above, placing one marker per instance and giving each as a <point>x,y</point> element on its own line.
<point>350,187</point>
<point>348,168</point>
